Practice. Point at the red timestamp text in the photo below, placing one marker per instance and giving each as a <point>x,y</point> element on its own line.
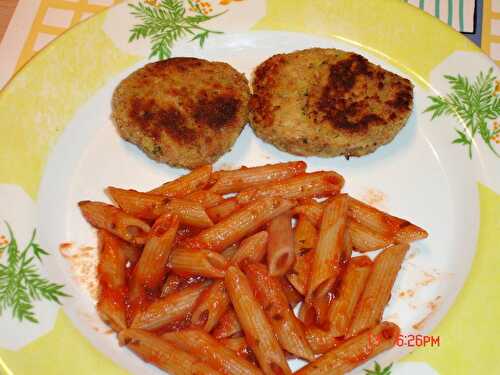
<point>412,340</point>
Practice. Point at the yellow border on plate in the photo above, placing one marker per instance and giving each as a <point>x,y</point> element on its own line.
<point>404,35</point>
<point>469,332</point>
<point>40,101</point>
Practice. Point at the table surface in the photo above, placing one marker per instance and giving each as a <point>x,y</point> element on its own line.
<point>6,10</point>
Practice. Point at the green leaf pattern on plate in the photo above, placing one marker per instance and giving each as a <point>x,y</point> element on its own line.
<point>166,22</point>
<point>474,104</point>
<point>378,370</point>
<point>20,282</point>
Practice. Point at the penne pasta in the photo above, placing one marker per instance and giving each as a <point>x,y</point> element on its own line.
<point>142,205</point>
<point>355,351</point>
<point>254,323</point>
<point>163,354</point>
<point>229,252</point>
<point>171,284</point>
<point>197,179</point>
<point>223,209</point>
<point>169,309</point>
<point>132,253</point>
<point>228,325</point>
<point>365,239</point>
<point>348,246</point>
<point>112,280</point>
<point>175,283</point>
<point>252,248</point>
<point>240,347</point>
<point>240,224</point>
<point>293,297</point>
<point>206,198</point>
<point>210,307</point>
<point>410,233</point>
<point>378,288</point>
<point>321,341</point>
<point>186,262</point>
<point>151,206</point>
<point>240,179</point>
<point>327,256</point>
<point>316,184</point>
<point>115,221</point>
<point>205,347</point>
<point>236,344</point>
<point>305,238</point>
<point>286,326</point>
<point>190,213</point>
<point>314,310</point>
<point>280,251</point>
<point>150,269</point>
<point>171,281</point>
<point>380,222</point>
<point>313,211</point>
<point>351,287</point>
<point>149,272</point>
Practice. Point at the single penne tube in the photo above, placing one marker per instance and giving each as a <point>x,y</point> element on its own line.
<point>111,274</point>
<point>280,251</point>
<point>305,238</point>
<point>174,283</point>
<point>365,239</point>
<point>210,307</point>
<point>190,213</point>
<point>205,197</point>
<point>114,220</point>
<point>252,248</point>
<point>223,209</point>
<point>348,294</point>
<point>151,206</point>
<point>150,269</point>
<point>186,262</point>
<point>293,297</point>
<point>286,326</point>
<point>240,179</point>
<point>258,331</point>
<point>239,224</point>
<point>410,233</point>
<point>205,347</point>
<point>229,252</point>
<point>164,355</point>
<point>327,256</point>
<point>149,272</point>
<point>169,309</point>
<point>197,179</point>
<point>348,246</point>
<point>132,253</point>
<point>240,347</point>
<point>228,325</point>
<point>314,310</point>
<point>141,205</point>
<point>308,185</point>
<point>313,211</point>
<point>383,223</point>
<point>355,351</point>
<point>171,284</point>
<point>236,344</point>
<point>376,295</point>
<point>321,341</point>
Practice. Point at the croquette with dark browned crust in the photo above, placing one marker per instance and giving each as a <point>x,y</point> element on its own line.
<point>183,111</point>
<point>327,102</point>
